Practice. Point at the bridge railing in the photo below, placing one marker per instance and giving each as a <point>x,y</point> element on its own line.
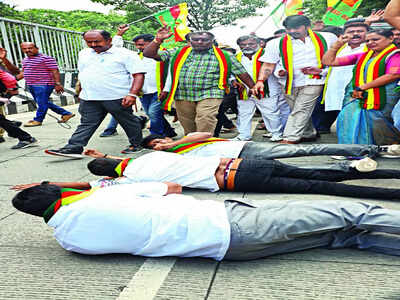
<point>64,45</point>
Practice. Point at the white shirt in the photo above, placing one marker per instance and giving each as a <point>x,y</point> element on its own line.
<point>303,56</point>
<point>230,149</point>
<point>126,219</point>
<point>107,75</point>
<point>338,80</point>
<point>186,171</point>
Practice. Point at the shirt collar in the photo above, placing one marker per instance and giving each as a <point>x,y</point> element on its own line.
<point>109,51</point>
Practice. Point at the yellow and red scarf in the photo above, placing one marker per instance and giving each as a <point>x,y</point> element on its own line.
<point>186,147</point>
<point>376,96</point>
<point>286,52</point>
<point>68,196</point>
<point>178,61</point>
<point>122,166</point>
<point>256,70</point>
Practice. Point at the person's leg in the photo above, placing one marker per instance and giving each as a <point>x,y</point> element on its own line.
<point>39,96</point>
<point>284,109</point>
<point>396,115</point>
<point>262,151</point>
<point>299,122</point>
<point>271,116</point>
<point>129,122</point>
<point>246,109</point>
<point>256,176</point>
<point>2,112</point>
<point>13,130</point>
<point>275,227</point>
<point>92,114</point>
<point>220,120</point>
<point>206,114</point>
<point>111,127</point>
<point>154,113</point>
<point>186,112</point>
<point>48,89</point>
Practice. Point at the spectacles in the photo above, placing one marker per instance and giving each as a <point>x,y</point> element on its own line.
<point>200,39</point>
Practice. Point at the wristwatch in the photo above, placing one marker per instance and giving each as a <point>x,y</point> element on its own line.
<point>133,95</point>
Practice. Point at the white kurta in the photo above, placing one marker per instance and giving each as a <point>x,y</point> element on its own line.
<point>137,219</point>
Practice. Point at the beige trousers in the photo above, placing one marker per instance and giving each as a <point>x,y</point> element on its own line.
<point>302,103</point>
<point>198,116</point>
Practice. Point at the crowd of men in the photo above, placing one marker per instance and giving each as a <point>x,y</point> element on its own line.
<point>285,77</point>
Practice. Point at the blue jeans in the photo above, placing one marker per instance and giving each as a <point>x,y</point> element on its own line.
<point>396,115</point>
<point>41,94</point>
<point>158,123</point>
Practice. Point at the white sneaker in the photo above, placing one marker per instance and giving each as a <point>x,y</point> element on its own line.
<point>364,165</point>
<point>239,139</point>
<point>276,138</point>
<point>391,151</point>
<point>267,135</point>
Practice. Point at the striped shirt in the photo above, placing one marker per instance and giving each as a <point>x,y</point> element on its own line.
<point>37,69</point>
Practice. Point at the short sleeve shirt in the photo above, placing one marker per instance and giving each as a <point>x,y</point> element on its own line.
<point>37,69</point>
<point>199,76</point>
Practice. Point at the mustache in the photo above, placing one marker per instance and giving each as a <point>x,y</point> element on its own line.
<point>356,37</point>
<point>294,34</point>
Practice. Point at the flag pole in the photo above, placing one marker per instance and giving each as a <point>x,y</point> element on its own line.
<point>270,15</point>
<point>145,18</point>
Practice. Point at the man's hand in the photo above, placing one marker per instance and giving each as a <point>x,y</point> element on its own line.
<point>375,16</point>
<point>173,188</point>
<point>163,33</point>
<point>257,89</point>
<point>20,187</point>
<point>59,88</point>
<point>282,73</point>
<point>163,95</point>
<point>128,101</point>
<point>162,146</point>
<point>239,86</point>
<point>311,71</point>
<point>93,153</point>
<point>3,53</point>
<point>122,29</point>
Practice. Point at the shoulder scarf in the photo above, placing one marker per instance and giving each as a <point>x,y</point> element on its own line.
<point>160,74</point>
<point>68,196</point>
<point>177,62</point>
<point>330,71</point>
<point>376,96</point>
<point>186,147</point>
<point>122,166</point>
<point>256,70</point>
<point>286,52</point>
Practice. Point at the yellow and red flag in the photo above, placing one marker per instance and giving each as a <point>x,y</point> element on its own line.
<point>339,11</point>
<point>293,7</point>
<point>175,17</point>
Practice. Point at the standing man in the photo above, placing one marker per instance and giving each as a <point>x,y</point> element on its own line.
<point>249,56</point>
<point>297,60</point>
<point>153,85</point>
<point>106,74</point>
<point>200,74</point>
<point>338,78</point>
<point>42,77</point>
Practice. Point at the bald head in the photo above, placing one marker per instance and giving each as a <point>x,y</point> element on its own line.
<point>98,40</point>
<point>29,48</point>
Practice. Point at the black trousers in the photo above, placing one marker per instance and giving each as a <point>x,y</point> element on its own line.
<point>275,177</point>
<point>14,131</point>
<point>94,112</point>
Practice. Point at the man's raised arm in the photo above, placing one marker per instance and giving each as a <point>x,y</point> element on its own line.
<point>392,13</point>
<point>151,50</point>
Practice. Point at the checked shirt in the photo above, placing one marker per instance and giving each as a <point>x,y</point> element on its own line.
<point>199,76</point>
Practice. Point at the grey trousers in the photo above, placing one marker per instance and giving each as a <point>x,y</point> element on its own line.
<point>276,227</point>
<point>261,151</point>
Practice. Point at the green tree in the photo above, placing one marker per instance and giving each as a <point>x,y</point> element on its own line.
<point>317,8</point>
<point>203,14</point>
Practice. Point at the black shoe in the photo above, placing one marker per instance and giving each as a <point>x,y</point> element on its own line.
<point>171,134</point>
<point>68,152</point>
<point>143,121</point>
<point>17,123</point>
<point>132,149</point>
<point>108,134</point>
<point>2,140</point>
<point>24,144</point>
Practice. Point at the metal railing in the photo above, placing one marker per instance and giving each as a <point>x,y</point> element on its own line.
<point>64,45</point>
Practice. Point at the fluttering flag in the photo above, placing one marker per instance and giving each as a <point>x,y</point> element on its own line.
<point>175,17</point>
<point>293,7</point>
<point>339,11</point>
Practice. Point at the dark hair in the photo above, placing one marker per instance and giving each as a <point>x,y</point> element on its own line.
<point>296,21</point>
<point>333,29</point>
<point>247,37</point>
<point>149,138</point>
<point>279,31</point>
<point>202,32</point>
<point>387,33</point>
<point>355,24</point>
<point>147,37</point>
<point>104,166</point>
<point>105,34</point>
<point>35,200</point>
<point>187,36</point>
<point>268,39</point>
